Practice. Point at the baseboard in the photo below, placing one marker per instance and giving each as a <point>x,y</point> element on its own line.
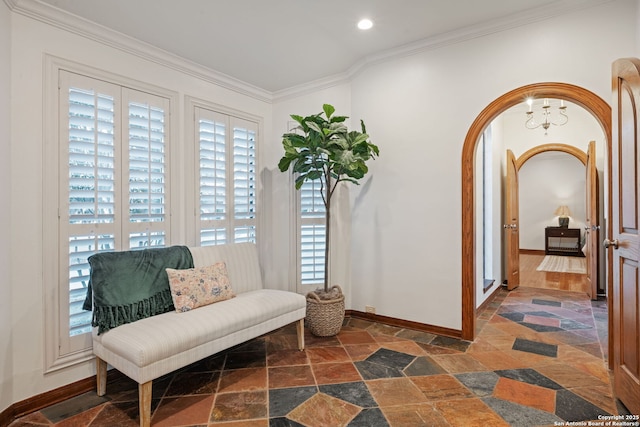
<point>532,251</point>
<point>60,394</point>
<point>392,321</point>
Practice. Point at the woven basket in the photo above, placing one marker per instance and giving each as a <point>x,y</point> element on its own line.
<point>325,317</point>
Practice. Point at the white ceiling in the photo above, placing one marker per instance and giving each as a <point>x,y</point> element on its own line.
<point>279,44</point>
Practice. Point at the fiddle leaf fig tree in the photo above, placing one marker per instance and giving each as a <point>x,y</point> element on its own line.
<point>322,148</point>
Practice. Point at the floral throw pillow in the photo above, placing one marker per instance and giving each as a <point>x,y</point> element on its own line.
<point>196,287</point>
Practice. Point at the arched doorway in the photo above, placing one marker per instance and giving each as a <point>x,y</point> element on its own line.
<point>563,148</point>
<point>538,195</point>
<point>584,98</point>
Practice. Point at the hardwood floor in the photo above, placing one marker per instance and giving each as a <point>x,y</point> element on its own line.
<point>531,278</point>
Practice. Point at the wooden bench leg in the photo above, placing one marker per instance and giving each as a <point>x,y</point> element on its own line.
<point>300,334</point>
<point>101,376</point>
<point>144,395</point>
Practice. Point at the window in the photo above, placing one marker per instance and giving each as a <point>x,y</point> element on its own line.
<point>487,216</point>
<point>113,187</point>
<point>226,176</point>
<point>311,233</point>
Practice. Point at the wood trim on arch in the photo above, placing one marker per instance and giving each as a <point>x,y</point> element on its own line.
<point>580,96</point>
<point>569,149</point>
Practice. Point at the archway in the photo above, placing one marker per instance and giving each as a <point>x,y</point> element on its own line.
<point>580,96</point>
<point>564,148</point>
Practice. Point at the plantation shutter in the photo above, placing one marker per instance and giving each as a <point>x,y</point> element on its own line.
<point>312,234</point>
<point>113,185</point>
<point>88,214</point>
<point>212,176</point>
<point>147,169</point>
<point>244,180</point>
<point>226,156</point>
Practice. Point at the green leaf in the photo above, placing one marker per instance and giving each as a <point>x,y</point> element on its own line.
<point>313,125</point>
<point>338,119</point>
<point>284,163</point>
<point>297,118</point>
<point>328,110</point>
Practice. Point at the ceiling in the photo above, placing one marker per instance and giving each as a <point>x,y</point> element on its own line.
<point>280,44</point>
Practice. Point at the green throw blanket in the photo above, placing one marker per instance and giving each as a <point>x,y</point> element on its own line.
<point>131,285</point>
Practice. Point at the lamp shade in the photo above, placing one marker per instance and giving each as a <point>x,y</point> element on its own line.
<point>562,211</point>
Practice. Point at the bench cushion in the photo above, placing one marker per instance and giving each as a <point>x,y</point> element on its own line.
<point>166,335</point>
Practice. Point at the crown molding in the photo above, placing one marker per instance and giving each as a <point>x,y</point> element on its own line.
<point>442,40</point>
<point>74,24</point>
<point>471,32</point>
<point>11,4</point>
<point>312,86</point>
<point>58,18</point>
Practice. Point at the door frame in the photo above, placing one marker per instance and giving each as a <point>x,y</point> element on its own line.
<point>588,100</point>
<point>518,163</point>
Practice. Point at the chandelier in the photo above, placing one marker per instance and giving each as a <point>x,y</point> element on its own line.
<point>545,120</point>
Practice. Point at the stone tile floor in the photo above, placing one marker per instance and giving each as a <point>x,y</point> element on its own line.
<point>538,359</point>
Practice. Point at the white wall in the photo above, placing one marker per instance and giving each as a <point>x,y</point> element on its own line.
<point>546,182</point>
<point>6,340</point>
<point>31,40</point>
<point>406,236</point>
<point>637,54</point>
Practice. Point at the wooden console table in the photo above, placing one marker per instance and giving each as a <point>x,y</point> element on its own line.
<point>562,241</point>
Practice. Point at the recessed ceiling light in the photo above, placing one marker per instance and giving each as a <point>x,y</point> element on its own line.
<point>365,24</point>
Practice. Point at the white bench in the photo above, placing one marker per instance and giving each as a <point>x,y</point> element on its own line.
<point>149,348</point>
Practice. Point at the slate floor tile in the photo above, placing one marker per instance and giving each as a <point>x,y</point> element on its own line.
<point>441,387</point>
<point>541,328</point>
<point>73,406</point>
<point>542,314</point>
<point>373,371</point>
<point>451,343</point>
<point>572,324</point>
<point>239,406</point>
<point>521,416</point>
<point>474,413</point>
<point>368,418</point>
<point>525,394</point>
<point>395,391</point>
<point>414,415</point>
<point>417,336</point>
<point>516,373</point>
<point>332,373</point>
<point>284,400</point>
<point>480,383</point>
<point>390,358</point>
<point>516,317</point>
<point>529,346</point>
<point>324,410</point>
<point>423,366</point>
<point>546,302</point>
<point>356,393</point>
<point>570,406</point>
<point>529,376</point>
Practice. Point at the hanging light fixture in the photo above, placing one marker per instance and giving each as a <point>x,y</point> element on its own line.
<point>545,121</point>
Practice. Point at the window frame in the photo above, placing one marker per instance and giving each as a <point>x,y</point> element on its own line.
<point>192,180</point>
<point>60,352</point>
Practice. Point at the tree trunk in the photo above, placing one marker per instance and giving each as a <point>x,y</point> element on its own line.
<point>327,208</point>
